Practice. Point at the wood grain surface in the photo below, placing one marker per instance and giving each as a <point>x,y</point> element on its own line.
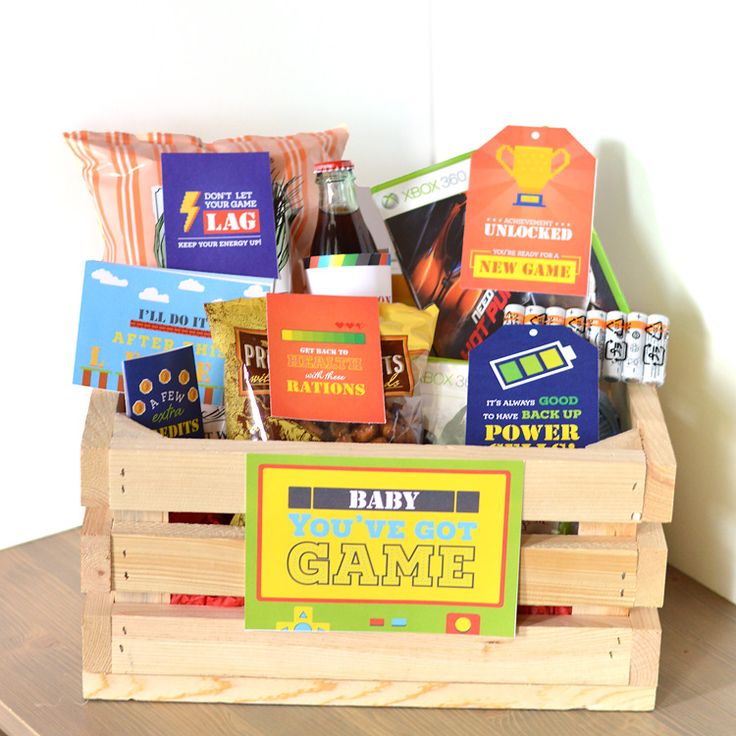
<point>156,640</point>
<point>148,472</point>
<point>41,680</point>
<point>556,570</point>
<point>127,467</point>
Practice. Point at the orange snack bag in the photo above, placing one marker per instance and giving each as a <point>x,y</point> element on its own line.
<point>122,172</point>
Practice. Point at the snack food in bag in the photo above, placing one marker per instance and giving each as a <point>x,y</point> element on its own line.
<point>239,330</point>
<point>409,331</point>
<point>123,175</point>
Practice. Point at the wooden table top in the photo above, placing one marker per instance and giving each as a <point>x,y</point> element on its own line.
<point>40,674</point>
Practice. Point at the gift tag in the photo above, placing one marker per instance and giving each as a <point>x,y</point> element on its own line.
<point>129,311</point>
<point>530,213</point>
<point>382,544</point>
<point>218,213</point>
<point>533,386</point>
<point>324,358</point>
<point>161,392</point>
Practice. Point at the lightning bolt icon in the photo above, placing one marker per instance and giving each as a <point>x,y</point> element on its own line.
<point>189,209</point>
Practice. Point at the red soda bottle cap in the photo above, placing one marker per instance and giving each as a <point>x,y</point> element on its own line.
<point>333,166</point>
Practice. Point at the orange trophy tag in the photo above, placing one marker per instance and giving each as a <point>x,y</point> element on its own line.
<point>529,215</point>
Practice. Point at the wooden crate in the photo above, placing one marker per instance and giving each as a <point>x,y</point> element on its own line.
<point>138,647</point>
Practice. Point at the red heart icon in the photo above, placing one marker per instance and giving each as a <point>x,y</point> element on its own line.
<point>339,324</point>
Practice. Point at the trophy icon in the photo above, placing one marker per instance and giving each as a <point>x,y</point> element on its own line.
<point>531,169</point>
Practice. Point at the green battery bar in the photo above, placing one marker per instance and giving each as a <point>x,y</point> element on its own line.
<point>533,365</point>
<point>340,338</point>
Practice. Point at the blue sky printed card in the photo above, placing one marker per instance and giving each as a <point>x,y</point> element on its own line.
<point>161,392</point>
<point>129,311</point>
<point>533,386</point>
<point>218,213</point>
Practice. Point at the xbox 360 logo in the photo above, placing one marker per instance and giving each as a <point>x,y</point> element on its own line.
<point>390,200</point>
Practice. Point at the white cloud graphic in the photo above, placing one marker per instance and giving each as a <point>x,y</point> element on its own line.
<point>191,285</point>
<point>150,294</point>
<point>254,290</point>
<point>108,279</point>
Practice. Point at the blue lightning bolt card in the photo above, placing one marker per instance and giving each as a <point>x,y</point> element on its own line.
<point>533,386</point>
<point>218,213</point>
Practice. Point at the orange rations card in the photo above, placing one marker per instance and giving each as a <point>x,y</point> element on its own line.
<point>325,358</point>
<point>530,213</point>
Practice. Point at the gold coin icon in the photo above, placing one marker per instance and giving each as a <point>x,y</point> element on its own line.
<point>463,624</point>
<point>183,377</point>
<point>138,408</point>
<point>193,394</point>
<point>145,386</point>
<point>164,375</point>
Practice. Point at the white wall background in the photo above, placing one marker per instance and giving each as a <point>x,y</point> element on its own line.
<point>647,87</point>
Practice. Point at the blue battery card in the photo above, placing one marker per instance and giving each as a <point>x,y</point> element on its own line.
<point>533,386</point>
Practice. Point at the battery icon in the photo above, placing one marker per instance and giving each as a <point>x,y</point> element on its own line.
<point>533,365</point>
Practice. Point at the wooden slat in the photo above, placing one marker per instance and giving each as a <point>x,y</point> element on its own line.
<point>193,689</point>
<point>615,571</point>
<point>182,479</point>
<point>96,438</point>
<point>559,570</point>
<point>97,632</point>
<point>94,546</point>
<point>628,440</point>
<point>596,528</point>
<point>150,640</point>
<point>646,647</point>
<point>652,567</point>
<point>145,595</point>
<point>178,558</point>
<point>153,473</point>
<point>210,559</point>
<point>646,415</point>
<point>608,530</point>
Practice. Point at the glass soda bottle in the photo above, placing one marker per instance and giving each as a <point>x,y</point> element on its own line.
<point>340,225</point>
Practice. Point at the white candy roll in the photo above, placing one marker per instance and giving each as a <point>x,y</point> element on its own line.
<point>555,316</point>
<point>535,315</point>
<point>513,314</point>
<point>614,350</point>
<point>575,320</point>
<point>595,331</point>
<point>635,337</point>
<point>655,349</point>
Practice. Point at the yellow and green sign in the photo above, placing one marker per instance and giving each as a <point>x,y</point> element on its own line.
<point>365,544</point>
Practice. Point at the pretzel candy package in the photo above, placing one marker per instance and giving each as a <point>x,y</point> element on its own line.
<point>406,340</point>
<point>239,330</point>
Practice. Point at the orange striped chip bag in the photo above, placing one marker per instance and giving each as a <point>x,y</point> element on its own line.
<point>123,174</point>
